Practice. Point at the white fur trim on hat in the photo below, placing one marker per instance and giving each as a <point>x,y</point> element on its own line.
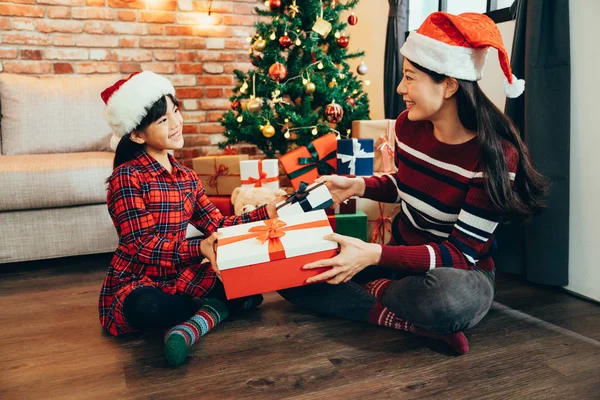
<point>514,89</point>
<point>455,61</point>
<point>128,105</point>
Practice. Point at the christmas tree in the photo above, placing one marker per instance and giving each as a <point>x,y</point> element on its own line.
<point>302,86</point>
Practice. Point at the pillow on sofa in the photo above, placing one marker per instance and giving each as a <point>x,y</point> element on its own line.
<point>54,114</point>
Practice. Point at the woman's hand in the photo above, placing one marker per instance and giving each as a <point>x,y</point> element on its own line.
<point>208,248</point>
<point>354,256</point>
<point>342,187</point>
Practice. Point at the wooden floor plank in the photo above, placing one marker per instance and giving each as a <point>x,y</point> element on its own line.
<point>52,347</point>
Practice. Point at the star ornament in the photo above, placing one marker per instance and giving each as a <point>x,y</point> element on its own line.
<point>294,9</point>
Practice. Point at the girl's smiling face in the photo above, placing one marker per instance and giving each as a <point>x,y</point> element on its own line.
<point>166,133</point>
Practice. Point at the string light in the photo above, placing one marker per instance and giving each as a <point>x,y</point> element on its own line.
<point>240,118</point>
<point>273,36</point>
<point>320,65</point>
<point>314,131</point>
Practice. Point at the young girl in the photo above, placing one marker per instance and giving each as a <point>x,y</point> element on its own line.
<point>461,166</point>
<point>156,279</point>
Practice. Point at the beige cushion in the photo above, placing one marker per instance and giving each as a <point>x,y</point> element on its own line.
<point>53,115</point>
<point>54,180</point>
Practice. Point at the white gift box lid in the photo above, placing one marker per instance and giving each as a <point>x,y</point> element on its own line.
<point>295,242</point>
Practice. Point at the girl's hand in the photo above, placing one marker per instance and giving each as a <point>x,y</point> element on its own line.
<point>342,187</point>
<point>271,207</point>
<point>208,247</point>
<point>354,256</point>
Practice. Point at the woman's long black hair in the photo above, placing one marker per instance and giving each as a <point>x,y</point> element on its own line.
<point>127,148</point>
<point>477,113</point>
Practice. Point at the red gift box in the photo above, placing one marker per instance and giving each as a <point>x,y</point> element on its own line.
<point>264,256</point>
<point>306,163</point>
<point>223,203</point>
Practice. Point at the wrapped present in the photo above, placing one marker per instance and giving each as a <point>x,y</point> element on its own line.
<point>260,173</point>
<point>355,157</point>
<point>347,207</point>
<point>384,134</point>
<point>306,198</point>
<point>219,174</point>
<point>223,203</point>
<point>380,217</point>
<point>306,163</point>
<point>268,255</point>
<point>354,225</point>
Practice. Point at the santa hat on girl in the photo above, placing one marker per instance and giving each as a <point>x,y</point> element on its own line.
<point>128,100</point>
<point>457,46</point>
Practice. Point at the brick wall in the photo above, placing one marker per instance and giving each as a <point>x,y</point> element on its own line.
<point>79,37</point>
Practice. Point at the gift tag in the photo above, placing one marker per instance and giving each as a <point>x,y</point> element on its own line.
<point>322,27</point>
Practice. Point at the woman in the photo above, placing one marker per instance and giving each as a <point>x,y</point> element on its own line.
<point>461,167</point>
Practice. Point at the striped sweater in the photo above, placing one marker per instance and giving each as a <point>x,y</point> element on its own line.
<point>446,218</point>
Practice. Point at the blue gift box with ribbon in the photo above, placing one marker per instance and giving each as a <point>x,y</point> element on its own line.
<point>355,157</point>
<point>306,198</point>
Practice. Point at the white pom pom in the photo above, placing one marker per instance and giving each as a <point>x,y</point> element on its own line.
<point>114,141</point>
<point>514,89</point>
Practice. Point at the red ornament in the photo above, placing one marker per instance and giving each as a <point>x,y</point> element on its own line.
<point>313,57</point>
<point>274,4</point>
<point>256,60</point>
<point>343,41</point>
<point>350,101</point>
<point>353,19</point>
<point>285,41</point>
<point>278,72</point>
<point>235,105</point>
<point>334,113</point>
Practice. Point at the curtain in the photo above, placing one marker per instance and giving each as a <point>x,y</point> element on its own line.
<point>397,27</point>
<point>541,56</point>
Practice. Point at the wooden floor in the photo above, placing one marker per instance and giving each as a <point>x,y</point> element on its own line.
<point>536,343</point>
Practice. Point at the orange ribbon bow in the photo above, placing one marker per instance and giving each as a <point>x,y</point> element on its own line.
<point>271,232</point>
<point>262,177</point>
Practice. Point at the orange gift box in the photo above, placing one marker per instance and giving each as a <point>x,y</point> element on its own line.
<point>268,255</point>
<point>306,163</point>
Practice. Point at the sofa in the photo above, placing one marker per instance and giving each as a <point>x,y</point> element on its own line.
<point>54,161</point>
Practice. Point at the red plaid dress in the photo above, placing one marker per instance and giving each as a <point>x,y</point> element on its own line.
<point>151,209</point>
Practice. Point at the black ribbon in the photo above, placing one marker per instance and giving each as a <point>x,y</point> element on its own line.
<point>313,162</point>
<point>301,196</point>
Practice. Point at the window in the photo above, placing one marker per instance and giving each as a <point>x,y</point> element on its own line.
<point>418,10</point>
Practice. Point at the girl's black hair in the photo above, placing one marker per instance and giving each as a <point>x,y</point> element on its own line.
<point>477,113</point>
<point>127,148</point>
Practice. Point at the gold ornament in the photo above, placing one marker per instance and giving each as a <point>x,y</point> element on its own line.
<point>322,27</point>
<point>332,84</point>
<point>254,105</point>
<point>268,131</point>
<point>294,9</point>
<point>309,88</point>
<point>260,45</point>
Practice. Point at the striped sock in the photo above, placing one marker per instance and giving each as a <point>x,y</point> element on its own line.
<point>380,315</point>
<point>377,287</point>
<point>181,337</point>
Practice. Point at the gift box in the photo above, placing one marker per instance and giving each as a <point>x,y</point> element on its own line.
<point>354,225</point>
<point>268,255</point>
<point>306,163</point>
<point>379,217</point>
<point>223,203</point>
<point>347,207</point>
<point>260,173</point>
<point>306,198</point>
<point>355,157</point>
<point>219,174</point>
<point>384,134</point>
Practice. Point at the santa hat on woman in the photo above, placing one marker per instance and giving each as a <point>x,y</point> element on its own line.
<point>128,101</point>
<point>457,46</point>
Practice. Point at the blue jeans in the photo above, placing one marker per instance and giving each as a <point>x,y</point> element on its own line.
<point>443,300</point>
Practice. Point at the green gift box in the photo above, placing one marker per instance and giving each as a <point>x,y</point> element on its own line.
<point>354,225</point>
